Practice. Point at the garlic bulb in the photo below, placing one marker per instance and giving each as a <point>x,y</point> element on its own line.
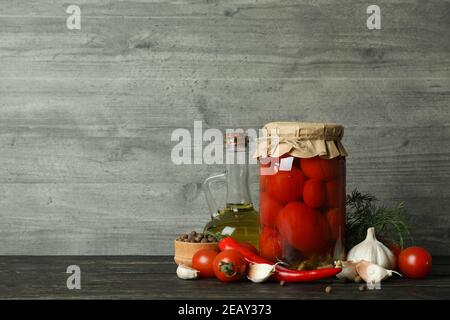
<point>373,273</point>
<point>186,273</point>
<point>372,250</point>
<point>260,272</point>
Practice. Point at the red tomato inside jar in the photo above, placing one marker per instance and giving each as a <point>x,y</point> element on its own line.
<point>302,193</point>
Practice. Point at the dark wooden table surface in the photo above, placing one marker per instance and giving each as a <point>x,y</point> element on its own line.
<point>147,277</point>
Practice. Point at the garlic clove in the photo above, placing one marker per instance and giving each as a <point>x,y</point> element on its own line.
<point>373,273</point>
<point>348,270</point>
<point>260,272</point>
<point>186,273</point>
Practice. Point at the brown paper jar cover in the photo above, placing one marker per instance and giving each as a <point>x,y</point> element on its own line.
<point>301,140</point>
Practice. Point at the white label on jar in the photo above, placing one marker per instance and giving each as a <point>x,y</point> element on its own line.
<point>286,164</point>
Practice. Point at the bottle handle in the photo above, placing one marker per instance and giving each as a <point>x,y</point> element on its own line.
<point>206,186</point>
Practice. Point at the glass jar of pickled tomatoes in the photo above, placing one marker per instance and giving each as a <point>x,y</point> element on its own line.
<point>302,193</point>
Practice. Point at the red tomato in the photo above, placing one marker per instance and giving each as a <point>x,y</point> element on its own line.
<point>314,193</point>
<point>268,167</point>
<point>336,224</point>
<point>229,266</point>
<point>269,244</point>
<point>415,262</point>
<point>318,168</point>
<point>263,183</point>
<point>286,186</point>
<point>335,191</point>
<point>268,209</point>
<point>264,177</point>
<point>304,228</point>
<point>249,246</point>
<point>203,262</point>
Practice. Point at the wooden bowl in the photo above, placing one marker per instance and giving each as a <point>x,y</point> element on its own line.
<point>184,251</point>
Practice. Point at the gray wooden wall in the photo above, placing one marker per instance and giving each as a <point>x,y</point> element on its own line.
<point>86,115</point>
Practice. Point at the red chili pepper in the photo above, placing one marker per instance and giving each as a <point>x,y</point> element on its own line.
<point>281,273</point>
<point>304,275</point>
<point>229,243</point>
<point>251,257</point>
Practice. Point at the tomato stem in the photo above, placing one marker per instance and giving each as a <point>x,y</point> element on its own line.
<point>227,268</point>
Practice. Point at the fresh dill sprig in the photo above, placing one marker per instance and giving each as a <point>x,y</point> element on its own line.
<point>363,213</point>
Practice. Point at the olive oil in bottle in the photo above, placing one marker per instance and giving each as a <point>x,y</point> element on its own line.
<point>239,218</point>
<point>241,221</point>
